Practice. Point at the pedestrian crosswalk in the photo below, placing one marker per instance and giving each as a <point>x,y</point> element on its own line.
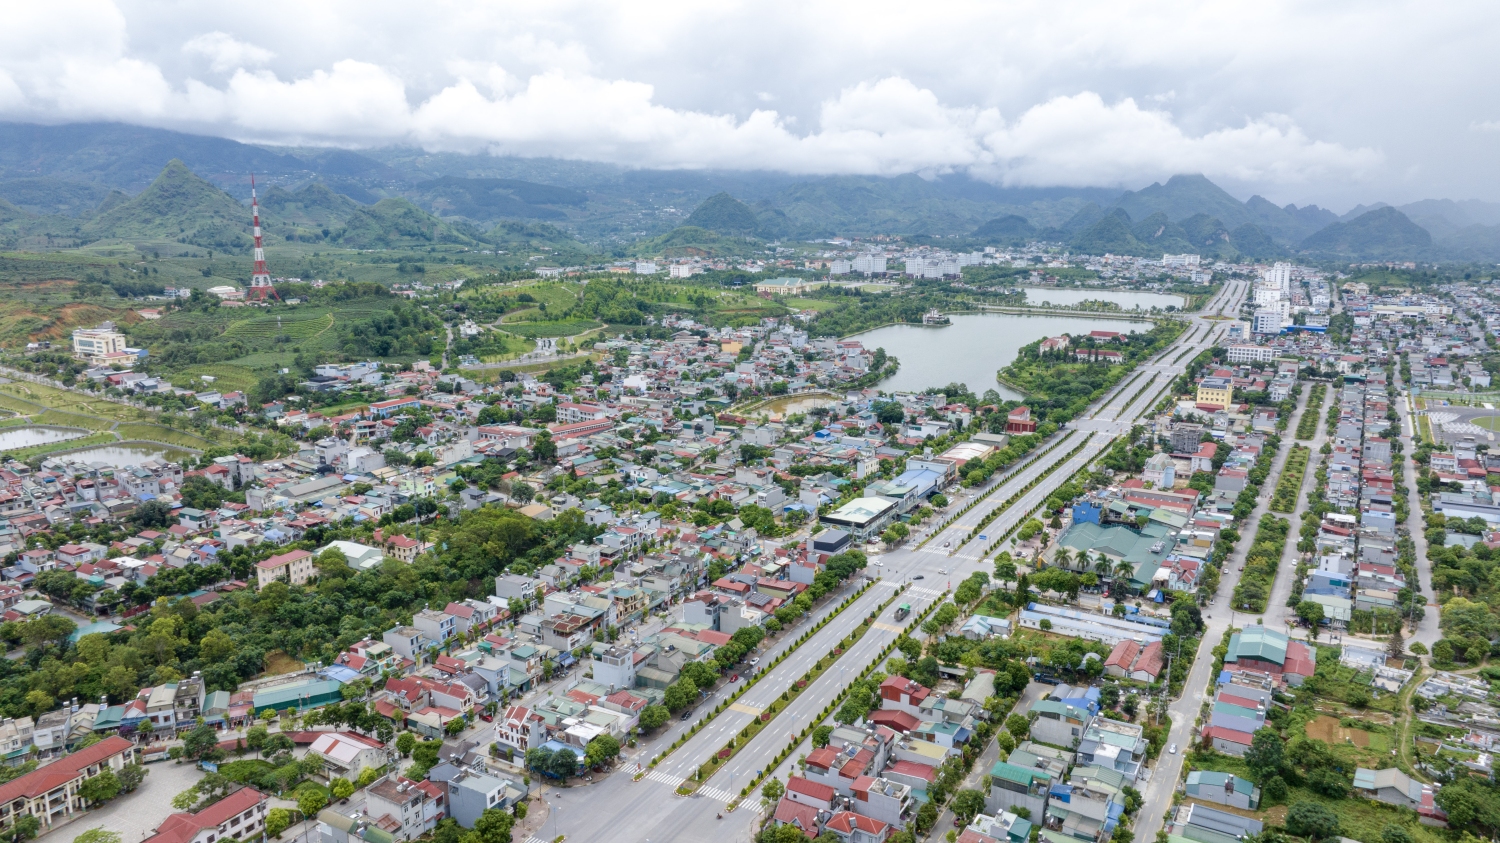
<point>717,793</point>
<point>534,839</point>
<point>664,778</point>
<point>924,592</point>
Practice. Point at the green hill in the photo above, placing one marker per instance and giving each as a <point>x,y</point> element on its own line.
<point>1011,228</point>
<point>724,214</point>
<point>1383,233</point>
<point>1254,243</point>
<point>1156,235</point>
<point>494,199</point>
<point>397,222</point>
<point>1111,233</point>
<point>179,206</point>
<point>1181,197</point>
<point>692,241</point>
<point>44,195</point>
<point>1185,196</point>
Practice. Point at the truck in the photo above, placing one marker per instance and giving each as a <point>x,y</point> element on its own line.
<point>902,611</point>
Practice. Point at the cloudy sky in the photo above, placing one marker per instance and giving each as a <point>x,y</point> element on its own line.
<point>1318,101</point>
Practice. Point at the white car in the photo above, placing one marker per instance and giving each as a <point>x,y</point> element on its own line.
<point>1172,749</point>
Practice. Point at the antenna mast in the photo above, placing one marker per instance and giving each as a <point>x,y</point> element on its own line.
<point>261,287</point>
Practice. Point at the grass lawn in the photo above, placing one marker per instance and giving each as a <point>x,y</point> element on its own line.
<point>1362,819</point>
<point>162,433</point>
<point>563,328</point>
<point>227,377</point>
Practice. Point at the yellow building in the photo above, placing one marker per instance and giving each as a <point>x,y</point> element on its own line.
<point>1215,392</point>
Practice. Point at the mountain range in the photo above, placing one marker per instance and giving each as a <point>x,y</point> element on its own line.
<point>84,182</point>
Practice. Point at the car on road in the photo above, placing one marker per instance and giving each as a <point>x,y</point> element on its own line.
<point>755,661</point>
<point>943,571</point>
<point>734,678</point>
<point>945,544</point>
<point>685,715</point>
<point>1172,749</point>
<point>919,577</point>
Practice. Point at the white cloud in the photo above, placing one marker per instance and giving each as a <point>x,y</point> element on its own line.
<point>1069,92</point>
<point>224,52</point>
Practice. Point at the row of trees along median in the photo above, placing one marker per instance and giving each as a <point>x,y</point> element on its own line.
<point>1010,501</point>
<point>1290,483</point>
<point>1000,460</point>
<point>1307,427</point>
<point>683,698</point>
<point>834,705</point>
<point>762,720</point>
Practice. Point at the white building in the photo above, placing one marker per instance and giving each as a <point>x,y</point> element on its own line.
<point>869,264</point>
<point>1179,260</point>
<point>645,267</point>
<point>97,344</point>
<point>1250,353</point>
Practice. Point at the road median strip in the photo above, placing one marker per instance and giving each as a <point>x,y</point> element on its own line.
<point>752,681</point>
<point>833,705</point>
<point>763,719</point>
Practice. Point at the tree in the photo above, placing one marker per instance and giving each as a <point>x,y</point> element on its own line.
<point>1311,613</point>
<point>772,789</point>
<point>131,776</point>
<point>1396,646</point>
<point>100,788</point>
<point>1396,834</point>
<point>25,827</point>
<point>563,763</point>
<point>405,742</point>
<point>600,751</point>
<point>927,817</point>
<point>1328,783</point>
<point>1018,726</point>
<point>1312,819</point>
<point>493,826</point>
<point>653,717</point>
<point>680,694</point>
<point>1264,756</point>
<point>277,821</point>
<point>277,744</point>
<point>98,835</point>
<point>311,802</point>
<point>255,737</point>
<point>821,736</point>
<point>967,804</point>
<point>1274,790</point>
<point>341,788</point>
<point>202,742</point>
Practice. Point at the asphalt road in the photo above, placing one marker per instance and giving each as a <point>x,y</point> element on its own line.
<point>1218,617</point>
<point>627,811</point>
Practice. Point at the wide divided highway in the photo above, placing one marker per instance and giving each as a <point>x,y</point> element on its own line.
<point>621,809</point>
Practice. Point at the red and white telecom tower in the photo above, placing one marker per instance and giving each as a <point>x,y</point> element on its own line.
<point>260,278</point>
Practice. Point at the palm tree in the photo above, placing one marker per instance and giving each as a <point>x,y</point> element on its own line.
<point>1123,570</point>
<point>1102,566</point>
<point>1062,557</point>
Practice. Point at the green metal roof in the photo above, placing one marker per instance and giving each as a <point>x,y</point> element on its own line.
<point>1020,775</point>
<point>1258,642</point>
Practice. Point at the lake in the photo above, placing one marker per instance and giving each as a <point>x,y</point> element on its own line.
<point>1128,299</point>
<point>12,438</point>
<point>973,348</point>
<point>123,456</point>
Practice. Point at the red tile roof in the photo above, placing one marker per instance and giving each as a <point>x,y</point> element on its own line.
<point>810,789</point>
<point>183,827</point>
<point>802,816</point>
<point>62,771</point>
